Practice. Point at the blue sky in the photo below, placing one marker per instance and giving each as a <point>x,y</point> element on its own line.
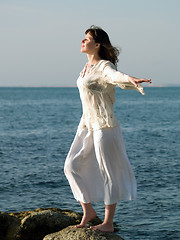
<point>40,40</point>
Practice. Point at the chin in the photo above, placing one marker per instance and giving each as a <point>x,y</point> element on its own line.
<point>83,51</point>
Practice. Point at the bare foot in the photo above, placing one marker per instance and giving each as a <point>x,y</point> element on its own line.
<point>86,218</point>
<point>104,227</point>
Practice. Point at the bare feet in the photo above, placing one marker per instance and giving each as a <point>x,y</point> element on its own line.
<point>104,227</point>
<point>86,218</point>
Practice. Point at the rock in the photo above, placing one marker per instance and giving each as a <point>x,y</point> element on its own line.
<point>34,225</point>
<point>50,224</point>
<point>71,233</point>
<point>38,224</point>
<point>9,225</point>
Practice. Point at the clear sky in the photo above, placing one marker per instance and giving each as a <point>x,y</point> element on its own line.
<point>40,39</point>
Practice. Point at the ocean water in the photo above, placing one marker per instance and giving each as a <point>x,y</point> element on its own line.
<point>37,126</point>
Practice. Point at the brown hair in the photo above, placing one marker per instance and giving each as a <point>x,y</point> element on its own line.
<point>107,51</point>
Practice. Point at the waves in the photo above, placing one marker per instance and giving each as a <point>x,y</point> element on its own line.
<point>36,131</point>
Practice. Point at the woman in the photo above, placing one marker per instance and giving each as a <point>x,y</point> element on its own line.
<point>97,166</point>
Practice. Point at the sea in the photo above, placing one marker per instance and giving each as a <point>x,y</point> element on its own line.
<point>37,127</point>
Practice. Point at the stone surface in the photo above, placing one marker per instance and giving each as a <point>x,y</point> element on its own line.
<point>36,224</point>
<point>39,224</point>
<point>71,233</point>
<point>9,226</point>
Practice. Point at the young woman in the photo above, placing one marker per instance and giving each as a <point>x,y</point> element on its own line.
<point>97,166</point>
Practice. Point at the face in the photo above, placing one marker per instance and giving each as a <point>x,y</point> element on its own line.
<point>88,45</point>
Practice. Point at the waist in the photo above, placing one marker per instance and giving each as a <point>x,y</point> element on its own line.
<point>95,123</point>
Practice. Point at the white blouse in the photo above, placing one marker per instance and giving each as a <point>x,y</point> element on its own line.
<point>97,92</point>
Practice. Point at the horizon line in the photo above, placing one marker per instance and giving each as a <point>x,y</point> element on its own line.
<point>74,86</point>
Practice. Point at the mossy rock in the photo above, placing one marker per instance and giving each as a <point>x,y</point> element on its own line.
<point>36,224</point>
<point>71,233</point>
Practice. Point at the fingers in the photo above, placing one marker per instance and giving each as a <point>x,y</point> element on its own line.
<point>141,80</point>
<point>149,80</point>
<point>144,80</point>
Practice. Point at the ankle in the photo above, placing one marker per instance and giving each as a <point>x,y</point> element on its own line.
<point>89,211</point>
<point>108,223</point>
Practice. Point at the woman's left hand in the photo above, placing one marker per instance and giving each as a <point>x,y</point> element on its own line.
<point>135,81</point>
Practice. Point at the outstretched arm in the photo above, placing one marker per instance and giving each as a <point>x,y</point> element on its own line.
<point>124,81</point>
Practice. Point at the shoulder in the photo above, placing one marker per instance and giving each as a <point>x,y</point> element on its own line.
<point>106,63</point>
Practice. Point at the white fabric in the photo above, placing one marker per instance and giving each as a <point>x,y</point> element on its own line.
<point>98,168</point>
<point>97,93</point>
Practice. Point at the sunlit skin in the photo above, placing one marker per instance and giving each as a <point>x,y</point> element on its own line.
<point>91,48</point>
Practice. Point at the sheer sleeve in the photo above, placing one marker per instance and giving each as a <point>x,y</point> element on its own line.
<point>120,79</point>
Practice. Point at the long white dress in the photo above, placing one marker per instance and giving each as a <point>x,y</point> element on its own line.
<point>97,166</point>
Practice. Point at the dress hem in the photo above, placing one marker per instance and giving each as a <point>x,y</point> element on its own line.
<point>96,201</point>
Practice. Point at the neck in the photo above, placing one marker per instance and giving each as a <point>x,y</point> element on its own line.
<point>93,59</point>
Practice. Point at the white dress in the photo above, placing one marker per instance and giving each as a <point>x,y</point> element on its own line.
<point>97,166</point>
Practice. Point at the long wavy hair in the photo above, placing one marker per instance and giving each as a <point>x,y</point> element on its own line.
<point>106,51</point>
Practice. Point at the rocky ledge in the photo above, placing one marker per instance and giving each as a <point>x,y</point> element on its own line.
<point>48,224</point>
